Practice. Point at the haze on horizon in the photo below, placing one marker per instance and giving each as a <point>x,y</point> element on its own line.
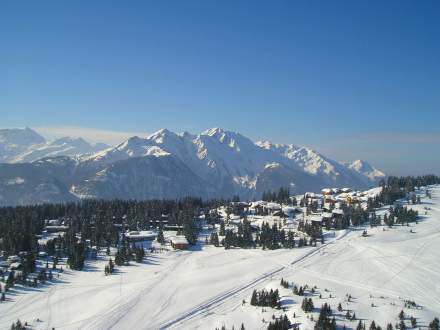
<point>352,80</point>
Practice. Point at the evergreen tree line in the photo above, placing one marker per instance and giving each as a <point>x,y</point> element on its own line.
<point>268,237</point>
<point>97,221</point>
<point>281,197</point>
<point>100,221</point>
<point>125,254</point>
<point>307,305</point>
<point>266,298</point>
<point>395,188</point>
<point>19,325</point>
<point>281,323</point>
<point>325,322</point>
<point>284,283</point>
<point>223,327</point>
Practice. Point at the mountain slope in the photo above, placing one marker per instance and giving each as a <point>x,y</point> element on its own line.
<point>61,147</point>
<point>237,165</point>
<point>144,178</point>
<point>15,141</point>
<point>364,168</point>
<point>214,163</point>
<point>25,146</point>
<point>327,171</point>
<point>23,184</point>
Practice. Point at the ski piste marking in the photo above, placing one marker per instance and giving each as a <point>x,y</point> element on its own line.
<point>218,300</point>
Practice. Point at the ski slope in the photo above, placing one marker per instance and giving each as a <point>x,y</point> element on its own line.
<point>205,288</point>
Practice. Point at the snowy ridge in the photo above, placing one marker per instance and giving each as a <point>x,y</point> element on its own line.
<point>366,169</point>
<point>26,145</point>
<point>220,163</point>
<point>61,147</point>
<point>237,165</point>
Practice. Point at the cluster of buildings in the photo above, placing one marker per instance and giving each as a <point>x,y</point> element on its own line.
<point>178,242</point>
<point>14,264</point>
<point>324,209</point>
<point>55,226</point>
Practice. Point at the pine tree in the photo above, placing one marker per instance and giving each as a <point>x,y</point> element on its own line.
<point>401,315</point>
<point>307,305</point>
<point>222,229</point>
<point>160,237</point>
<point>435,324</point>
<point>402,325</point>
<point>119,260</point>
<point>214,239</point>
<point>254,301</point>
<point>10,280</point>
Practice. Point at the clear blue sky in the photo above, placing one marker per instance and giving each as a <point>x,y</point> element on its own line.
<point>354,79</point>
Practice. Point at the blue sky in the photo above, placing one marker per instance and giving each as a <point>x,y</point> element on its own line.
<point>353,79</point>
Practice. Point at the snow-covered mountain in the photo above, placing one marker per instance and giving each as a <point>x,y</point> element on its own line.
<point>61,147</point>
<point>364,168</point>
<point>234,164</point>
<point>214,163</point>
<point>15,141</point>
<point>26,145</point>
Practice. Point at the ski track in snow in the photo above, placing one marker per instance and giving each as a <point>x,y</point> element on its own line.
<point>210,305</point>
<point>400,275</point>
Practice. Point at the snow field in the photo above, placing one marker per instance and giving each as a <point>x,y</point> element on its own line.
<point>205,288</point>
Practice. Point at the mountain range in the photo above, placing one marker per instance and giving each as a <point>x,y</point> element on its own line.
<point>214,163</point>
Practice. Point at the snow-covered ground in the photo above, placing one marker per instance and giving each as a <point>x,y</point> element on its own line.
<point>205,288</point>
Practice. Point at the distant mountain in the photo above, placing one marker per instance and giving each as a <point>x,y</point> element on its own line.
<point>214,163</point>
<point>26,145</point>
<point>61,147</point>
<point>364,168</point>
<point>15,141</point>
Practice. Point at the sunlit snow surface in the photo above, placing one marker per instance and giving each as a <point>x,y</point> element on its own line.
<point>204,288</point>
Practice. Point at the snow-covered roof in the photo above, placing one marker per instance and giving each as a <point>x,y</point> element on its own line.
<point>312,195</point>
<point>52,228</point>
<point>258,203</point>
<point>141,234</point>
<point>54,222</point>
<point>315,218</point>
<point>273,206</point>
<point>178,240</point>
